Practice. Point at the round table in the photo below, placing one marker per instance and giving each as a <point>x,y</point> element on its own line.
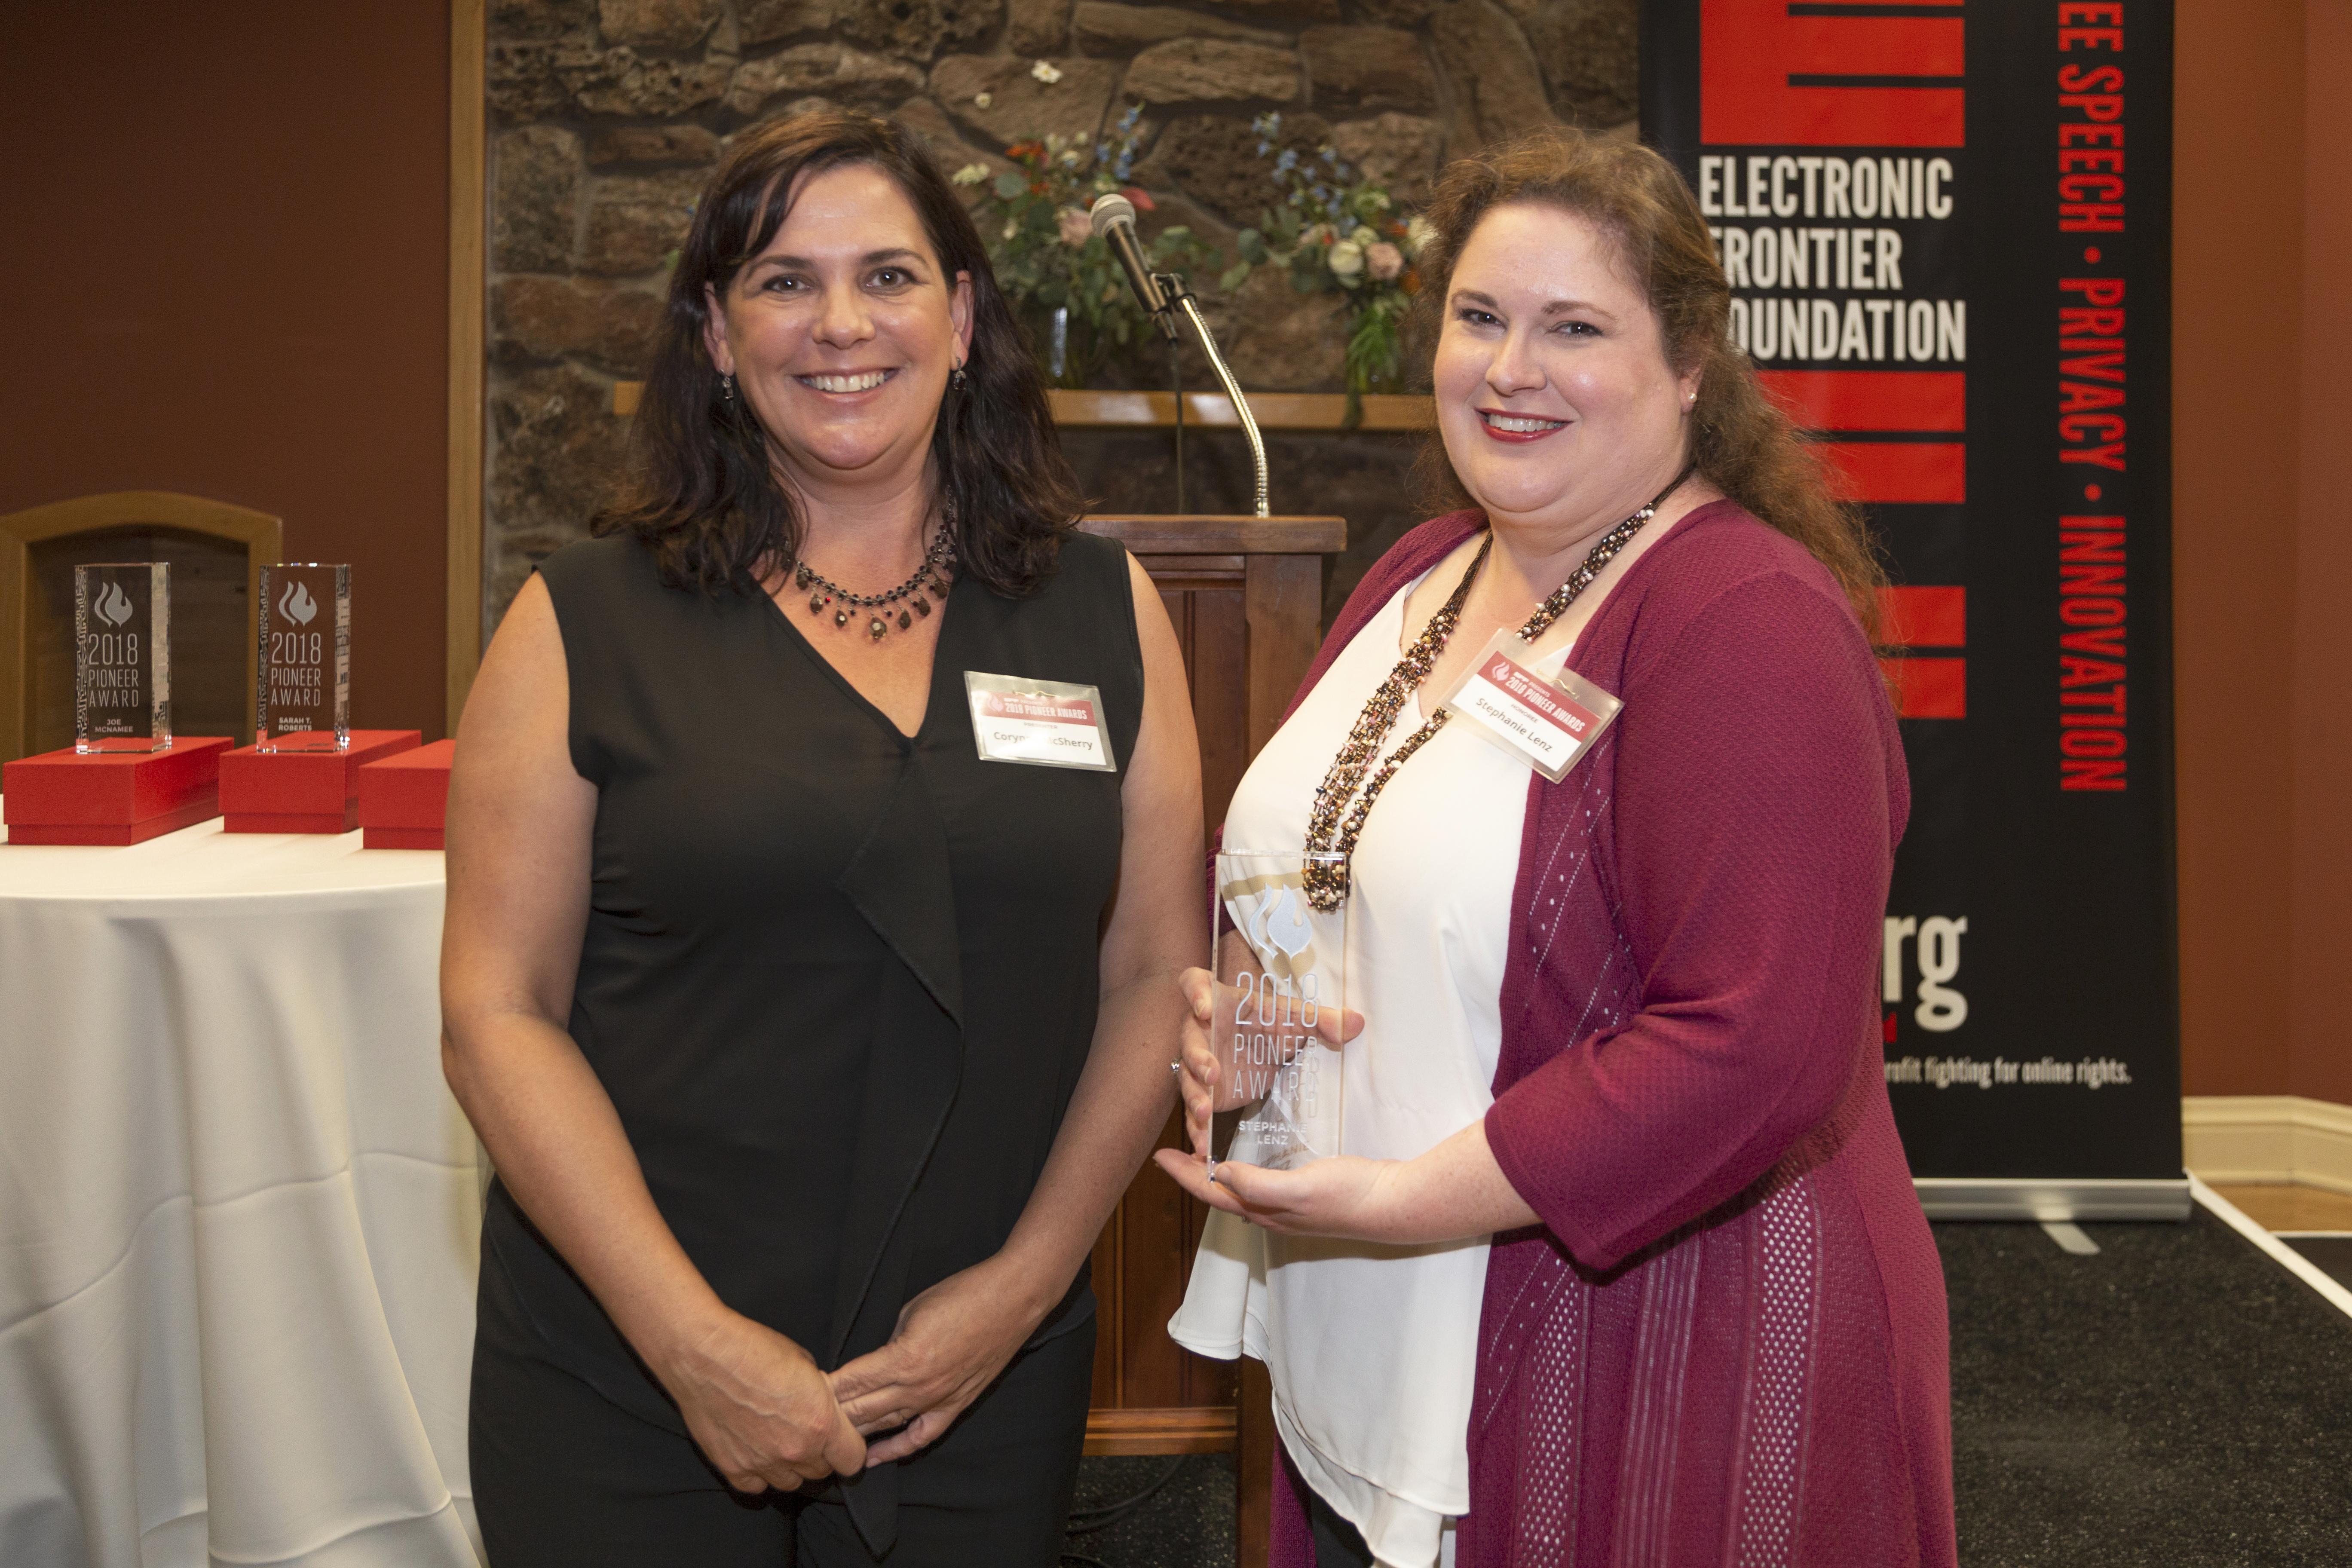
<point>239,1211</point>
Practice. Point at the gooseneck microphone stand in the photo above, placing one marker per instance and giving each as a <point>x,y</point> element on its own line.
<point>1176,388</point>
<point>1164,296</point>
<point>1180,299</point>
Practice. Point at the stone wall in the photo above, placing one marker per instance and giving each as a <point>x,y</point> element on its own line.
<point>607,115</point>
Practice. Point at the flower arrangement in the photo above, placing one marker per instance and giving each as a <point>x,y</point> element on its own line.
<point>1058,275</point>
<point>1333,230</point>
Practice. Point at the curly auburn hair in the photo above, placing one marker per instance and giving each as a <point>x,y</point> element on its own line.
<point>699,488</point>
<point>1740,439</point>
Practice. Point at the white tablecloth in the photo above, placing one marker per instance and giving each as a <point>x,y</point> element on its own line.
<point>238,1209</point>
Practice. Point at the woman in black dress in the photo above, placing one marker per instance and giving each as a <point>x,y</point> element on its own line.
<point>814,1010</point>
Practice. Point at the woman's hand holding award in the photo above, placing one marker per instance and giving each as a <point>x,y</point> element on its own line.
<point>1261,1051</point>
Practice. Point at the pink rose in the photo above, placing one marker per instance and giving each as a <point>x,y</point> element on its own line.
<point>1077,227</point>
<point>1385,260</point>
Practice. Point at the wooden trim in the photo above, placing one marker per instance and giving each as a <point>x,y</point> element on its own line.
<point>1204,1429</point>
<point>467,284</point>
<point>1209,410</point>
<point>1191,574</point>
<point>1275,410</point>
<point>1191,533</point>
<point>262,535</point>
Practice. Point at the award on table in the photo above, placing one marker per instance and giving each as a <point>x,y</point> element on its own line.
<point>122,657</point>
<point>1281,969</point>
<point>303,668</point>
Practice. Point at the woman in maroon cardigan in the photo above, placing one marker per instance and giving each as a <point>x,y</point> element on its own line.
<point>1713,1324</point>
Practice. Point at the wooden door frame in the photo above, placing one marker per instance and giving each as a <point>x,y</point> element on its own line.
<point>262,535</point>
<point>468,286</point>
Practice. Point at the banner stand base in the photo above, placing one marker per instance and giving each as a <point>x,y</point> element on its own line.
<point>2025,1198</point>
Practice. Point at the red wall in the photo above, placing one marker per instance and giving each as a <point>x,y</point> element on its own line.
<point>2320,1054</point>
<point>2262,563</point>
<point>224,265</point>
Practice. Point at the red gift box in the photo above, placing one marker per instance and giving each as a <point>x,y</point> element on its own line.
<point>302,792</point>
<point>113,797</point>
<point>402,798</point>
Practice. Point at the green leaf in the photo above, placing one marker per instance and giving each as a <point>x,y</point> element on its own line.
<point>1233,278</point>
<point>1009,185</point>
<point>1251,243</point>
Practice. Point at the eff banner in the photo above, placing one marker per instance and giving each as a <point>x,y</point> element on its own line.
<point>1946,229</point>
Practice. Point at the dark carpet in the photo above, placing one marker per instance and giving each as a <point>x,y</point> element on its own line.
<point>2178,1401</point>
<point>1186,1521</point>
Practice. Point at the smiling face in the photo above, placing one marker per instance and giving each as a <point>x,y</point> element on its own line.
<point>1554,397</point>
<point>841,333</point>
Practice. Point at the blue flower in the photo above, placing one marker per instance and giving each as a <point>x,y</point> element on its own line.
<point>1263,148</point>
<point>1331,157</point>
<point>1134,113</point>
<point>1125,163</point>
<point>1323,195</point>
<point>1287,162</point>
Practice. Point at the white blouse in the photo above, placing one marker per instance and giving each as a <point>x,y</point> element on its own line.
<point>1372,1348</point>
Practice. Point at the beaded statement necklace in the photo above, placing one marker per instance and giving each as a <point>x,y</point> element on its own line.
<point>929,582</point>
<point>1327,881</point>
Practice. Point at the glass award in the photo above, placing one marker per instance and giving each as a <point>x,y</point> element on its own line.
<point>122,657</point>
<point>303,668</point>
<point>1281,971</point>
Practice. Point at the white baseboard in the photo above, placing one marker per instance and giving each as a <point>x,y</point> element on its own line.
<point>2267,1140</point>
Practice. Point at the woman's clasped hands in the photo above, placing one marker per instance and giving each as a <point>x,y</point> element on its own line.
<point>760,1409</point>
<point>951,1343</point>
<point>766,1417</point>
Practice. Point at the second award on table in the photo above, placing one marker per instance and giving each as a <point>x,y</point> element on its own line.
<point>1282,993</point>
<point>302,668</point>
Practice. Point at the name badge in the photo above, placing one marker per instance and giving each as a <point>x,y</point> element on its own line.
<point>1045,723</point>
<point>1547,721</point>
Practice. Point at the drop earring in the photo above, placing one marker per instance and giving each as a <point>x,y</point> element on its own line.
<point>727,388</point>
<point>958,379</point>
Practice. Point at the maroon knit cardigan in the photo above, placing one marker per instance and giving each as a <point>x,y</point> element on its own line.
<point>1726,1343</point>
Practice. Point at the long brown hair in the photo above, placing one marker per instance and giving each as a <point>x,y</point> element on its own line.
<point>699,488</point>
<point>1740,439</point>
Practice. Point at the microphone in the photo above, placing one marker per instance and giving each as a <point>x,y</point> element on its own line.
<point>1113,218</point>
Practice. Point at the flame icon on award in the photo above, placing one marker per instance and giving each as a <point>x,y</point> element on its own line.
<point>296,604</point>
<point>113,607</point>
<point>1283,922</point>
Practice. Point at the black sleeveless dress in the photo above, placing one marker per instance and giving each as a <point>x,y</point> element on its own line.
<point>839,982</point>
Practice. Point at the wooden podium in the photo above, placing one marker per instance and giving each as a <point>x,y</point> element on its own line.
<point>1245,595</point>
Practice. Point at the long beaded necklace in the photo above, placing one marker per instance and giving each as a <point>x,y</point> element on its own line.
<point>929,582</point>
<point>1326,880</point>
